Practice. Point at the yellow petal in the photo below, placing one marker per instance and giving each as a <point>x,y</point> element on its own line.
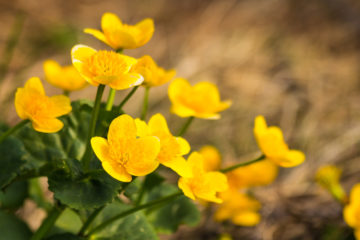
<point>146,28</point>
<point>184,146</point>
<point>183,111</point>
<point>110,23</point>
<point>158,124</point>
<point>20,99</point>
<point>79,54</point>
<point>184,186</point>
<point>34,84</point>
<point>196,163</point>
<point>180,166</point>
<point>219,181</point>
<point>260,124</point>
<point>355,194</point>
<point>357,233</point>
<point>51,69</point>
<point>212,158</point>
<point>349,215</point>
<point>143,157</point>
<point>100,147</point>
<point>126,81</point>
<point>61,106</point>
<point>97,34</point>
<point>122,39</point>
<point>122,127</point>
<point>141,128</point>
<point>291,159</point>
<point>177,88</point>
<point>118,172</point>
<point>246,218</point>
<point>47,125</point>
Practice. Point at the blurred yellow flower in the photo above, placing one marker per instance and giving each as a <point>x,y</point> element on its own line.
<point>172,148</point>
<point>202,185</point>
<point>329,178</point>
<point>32,103</point>
<point>152,73</point>
<point>239,208</point>
<point>212,158</point>
<point>105,67</point>
<point>124,154</point>
<point>66,78</point>
<point>201,100</point>
<point>257,174</point>
<point>122,36</point>
<point>352,210</point>
<point>272,144</point>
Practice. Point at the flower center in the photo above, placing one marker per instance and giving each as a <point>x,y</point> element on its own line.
<point>107,63</point>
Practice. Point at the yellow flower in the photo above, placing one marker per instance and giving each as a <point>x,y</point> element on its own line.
<point>202,185</point>
<point>122,36</point>
<point>32,103</point>
<point>201,100</point>
<point>152,73</point>
<point>352,210</point>
<point>272,144</point>
<point>66,78</point>
<point>123,154</point>
<point>239,208</point>
<point>172,148</point>
<point>329,178</point>
<point>257,174</point>
<point>212,158</point>
<point>105,67</point>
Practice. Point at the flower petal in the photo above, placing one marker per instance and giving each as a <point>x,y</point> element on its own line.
<point>34,84</point>
<point>126,81</point>
<point>183,184</point>
<point>118,172</point>
<point>122,127</point>
<point>158,124</point>
<point>97,34</point>
<point>142,130</point>
<point>291,159</point>
<point>52,69</point>
<point>184,146</point>
<point>21,97</point>
<point>146,28</point>
<point>177,89</point>
<point>47,125</point>
<point>100,147</point>
<point>110,23</point>
<point>246,218</point>
<point>180,166</point>
<point>143,157</point>
<point>79,54</point>
<point>61,106</point>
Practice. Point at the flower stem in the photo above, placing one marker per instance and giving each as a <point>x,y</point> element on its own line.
<point>121,105</point>
<point>185,126</point>
<point>145,103</point>
<point>110,100</point>
<point>243,164</point>
<point>13,129</point>
<point>48,223</point>
<point>66,93</point>
<point>133,210</point>
<point>94,116</point>
<point>90,220</point>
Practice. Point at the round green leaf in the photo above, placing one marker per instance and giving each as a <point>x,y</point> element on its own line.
<point>12,228</point>
<point>14,195</point>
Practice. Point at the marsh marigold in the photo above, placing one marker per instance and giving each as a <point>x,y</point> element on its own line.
<point>201,100</point>
<point>238,207</point>
<point>152,73</point>
<point>272,144</point>
<point>123,154</point>
<point>105,67</point>
<point>172,148</point>
<point>212,158</point>
<point>329,178</point>
<point>202,185</point>
<point>32,103</point>
<point>352,210</point>
<point>122,36</point>
<point>66,77</point>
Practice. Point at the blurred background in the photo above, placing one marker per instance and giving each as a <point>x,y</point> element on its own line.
<point>296,62</point>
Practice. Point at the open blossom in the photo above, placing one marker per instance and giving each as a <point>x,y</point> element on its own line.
<point>66,77</point>
<point>152,73</point>
<point>272,144</point>
<point>212,158</point>
<point>201,100</point>
<point>238,207</point>
<point>105,67</point>
<point>123,154</point>
<point>32,103</point>
<point>257,174</point>
<point>202,185</point>
<point>352,210</point>
<point>172,148</point>
<point>122,36</point>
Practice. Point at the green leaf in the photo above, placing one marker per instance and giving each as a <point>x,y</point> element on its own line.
<point>12,228</point>
<point>68,222</point>
<point>73,187</point>
<point>64,236</point>
<point>132,227</point>
<point>168,217</point>
<point>14,195</point>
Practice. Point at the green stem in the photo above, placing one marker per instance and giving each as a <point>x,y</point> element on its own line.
<point>11,44</point>
<point>13,129</point>
<point>145,103</point>
<point>185,126</point>
<point>90,220</point>
<point>243,164</point>
<point>110,100</point>
<point>94,116</point>
<point>132,210</point>
<point>66,93</point>
<point>48,223</point>
<point>141,194</point>
<point>121,105</point>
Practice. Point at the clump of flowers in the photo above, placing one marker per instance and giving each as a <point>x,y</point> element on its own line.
<point>103,165</point>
